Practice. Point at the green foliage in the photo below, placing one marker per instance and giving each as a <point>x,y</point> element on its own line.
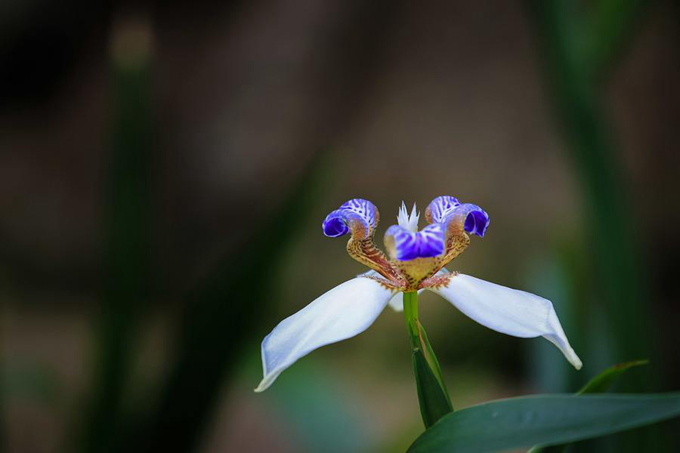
<point>580,45</point>
<point>433,396</point>
<point>543,419</point>
<point>217,325</point>
<point>572,38</point>
<point>126,248</point>
<point>434,403</point>
<point>603,381</point>
<point>220,309</point>
<point>599,384</point>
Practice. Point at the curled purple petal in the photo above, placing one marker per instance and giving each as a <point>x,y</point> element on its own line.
<point>440,208</point>
<point>446,208</point>
<point>406,245</point>
<point>334,225</point>
<point>356,215</point>
<point>477,220</point>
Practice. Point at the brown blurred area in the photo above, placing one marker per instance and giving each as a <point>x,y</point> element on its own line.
<point>411,100</point>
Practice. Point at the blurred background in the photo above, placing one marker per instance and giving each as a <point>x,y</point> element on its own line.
<point>165,168</point>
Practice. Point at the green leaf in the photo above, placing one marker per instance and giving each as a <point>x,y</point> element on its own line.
<point>432,394</point>
<point>127,222</point>
<point>543,419</point>
<point>604,380</point>
<point>434,403</point>
<point>598,384</point>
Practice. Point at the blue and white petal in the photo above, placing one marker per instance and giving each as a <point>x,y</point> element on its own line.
<point>357,215</point>
<point>441,207</point>
<point>476,219</point>
<point>341,313</point>
<point>445,209</point>
<point>405,245</point>
<point>508,311</point>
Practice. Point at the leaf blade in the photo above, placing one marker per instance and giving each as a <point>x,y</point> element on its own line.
<point>604,380</point>
<point>598,384</point>
<point>543,419</point>
<point>434,403</point>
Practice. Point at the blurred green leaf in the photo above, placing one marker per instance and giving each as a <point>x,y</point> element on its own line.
<point>608,27</point>
<point>522,422</point>
<point>126,236</point>
<point>599,384</point>
<point>604,380</point>
<point>30,382</point>
<point>618,281</point>
<point>300,405</point>
<point>222,315</point>
<point>578,41</point>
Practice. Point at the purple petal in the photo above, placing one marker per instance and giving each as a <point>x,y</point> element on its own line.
<point>362,212</point>
<point>477,221</point>
<point>440,208</point>
<point>444,208</point>
<point>426,243</point>
<point>334,225</point>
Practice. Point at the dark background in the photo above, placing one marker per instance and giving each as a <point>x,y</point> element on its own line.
<point>165,168</point>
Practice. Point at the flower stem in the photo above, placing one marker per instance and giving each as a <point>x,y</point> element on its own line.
<point>432,393</point>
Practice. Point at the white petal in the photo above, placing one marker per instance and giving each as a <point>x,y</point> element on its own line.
<point>397,302</point>
<point>341,313</point>
<point>508,311</point>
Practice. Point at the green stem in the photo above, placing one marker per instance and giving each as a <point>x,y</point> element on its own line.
<point>433,395</point>
<point>411,312</point>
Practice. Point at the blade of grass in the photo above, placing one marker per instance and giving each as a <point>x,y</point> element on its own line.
<point>221,314</point>
<point>603,381</point>
<point>126,233</point>
<point>226,305</point>
<point>595,155</point>
<point>618,279</point>
<point>608,28</point>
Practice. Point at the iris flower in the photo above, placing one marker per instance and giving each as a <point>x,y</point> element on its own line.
<point>415,261</point>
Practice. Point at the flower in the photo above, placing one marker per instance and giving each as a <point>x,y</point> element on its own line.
<point>416,262</point>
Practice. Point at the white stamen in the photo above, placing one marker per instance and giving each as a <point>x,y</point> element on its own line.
<point>406,221</point>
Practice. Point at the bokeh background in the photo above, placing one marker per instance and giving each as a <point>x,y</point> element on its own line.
<point>165,168</point>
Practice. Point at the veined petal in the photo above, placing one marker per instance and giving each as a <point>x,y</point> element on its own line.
<point>440,208</point>
<point>507,310</point>
<point>358,216</point>
<point>466,216</point>
<point>341,313</point>
<point>405,245</point>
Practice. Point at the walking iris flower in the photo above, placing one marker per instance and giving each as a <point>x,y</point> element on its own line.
<point>415,261</point>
